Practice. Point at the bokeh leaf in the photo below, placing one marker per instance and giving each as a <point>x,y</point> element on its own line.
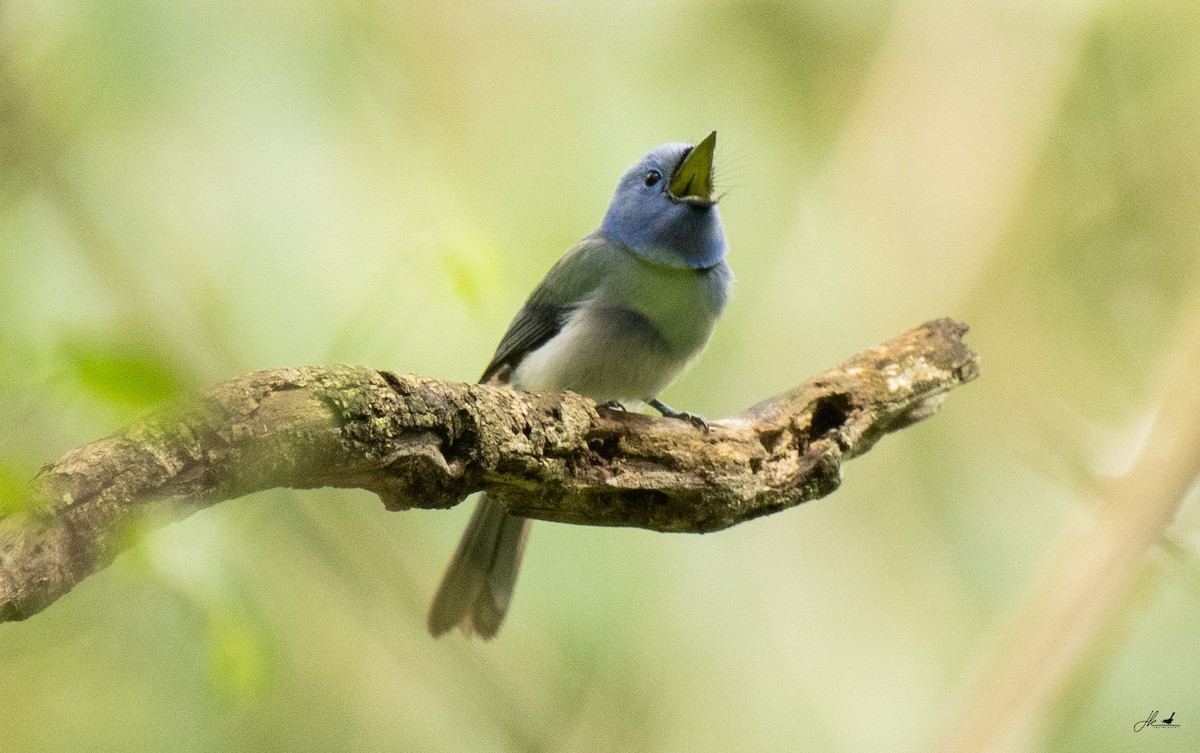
<point>120,372</point>
<point>239,665</point>
<point>14,491</point>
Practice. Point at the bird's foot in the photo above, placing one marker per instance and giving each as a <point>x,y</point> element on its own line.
<point>612,405</point>
<point>695,420</point>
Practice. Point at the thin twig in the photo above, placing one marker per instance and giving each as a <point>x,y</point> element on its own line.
<point>1087,577</point>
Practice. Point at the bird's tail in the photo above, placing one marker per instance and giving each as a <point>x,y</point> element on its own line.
<point>478,584</point>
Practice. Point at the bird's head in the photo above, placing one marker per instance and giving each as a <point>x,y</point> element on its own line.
<point>664,208</point>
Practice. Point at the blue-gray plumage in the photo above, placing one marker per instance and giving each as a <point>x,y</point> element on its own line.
<point>618,318</point>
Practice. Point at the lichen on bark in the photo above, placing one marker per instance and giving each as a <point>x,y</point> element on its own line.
<point>421,442</point>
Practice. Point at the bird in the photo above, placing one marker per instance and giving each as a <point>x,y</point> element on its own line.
<point>616,319</point>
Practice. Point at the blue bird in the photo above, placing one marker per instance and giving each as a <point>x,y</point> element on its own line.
<point>617,318</point>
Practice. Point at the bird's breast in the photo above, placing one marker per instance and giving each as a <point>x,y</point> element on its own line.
<point>633,336</point>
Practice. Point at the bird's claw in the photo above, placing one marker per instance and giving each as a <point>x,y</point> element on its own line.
<point>613,405</point>
<point>700,422</point>
<point>668,412</point>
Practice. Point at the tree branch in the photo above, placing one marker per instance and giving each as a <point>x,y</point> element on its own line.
<point>419,442</point>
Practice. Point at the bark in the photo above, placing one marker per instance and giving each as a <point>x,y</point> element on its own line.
<point>420,442</point>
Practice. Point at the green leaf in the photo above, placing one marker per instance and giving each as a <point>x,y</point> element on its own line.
<point>239,661</point>
<point>14,491</point>
<point>470,266</point>
<point>123,373</point>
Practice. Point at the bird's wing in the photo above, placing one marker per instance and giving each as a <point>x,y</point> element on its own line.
<point>567,285</point>
<point>530,329</point>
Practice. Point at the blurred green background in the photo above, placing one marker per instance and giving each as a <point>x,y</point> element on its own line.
<point>190,191</point>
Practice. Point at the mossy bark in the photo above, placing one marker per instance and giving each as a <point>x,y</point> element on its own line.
<point>420,442</point>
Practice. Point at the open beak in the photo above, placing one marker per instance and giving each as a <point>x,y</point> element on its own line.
<point>692,180</point>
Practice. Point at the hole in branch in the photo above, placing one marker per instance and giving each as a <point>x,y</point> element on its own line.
<point>770,439</point>
<point>393,382</point>
<point>606,446</point>
<point>829,414</point>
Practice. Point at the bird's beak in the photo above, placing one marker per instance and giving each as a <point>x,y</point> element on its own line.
<point>692,180</point>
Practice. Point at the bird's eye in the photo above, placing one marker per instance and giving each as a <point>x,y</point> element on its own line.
<point>652,177</point>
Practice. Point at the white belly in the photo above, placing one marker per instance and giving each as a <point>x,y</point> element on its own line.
<point>602,354</point>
